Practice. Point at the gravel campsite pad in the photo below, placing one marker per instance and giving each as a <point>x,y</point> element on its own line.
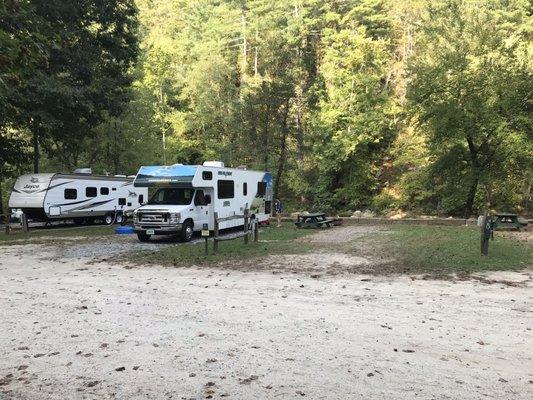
<point>77,324</point>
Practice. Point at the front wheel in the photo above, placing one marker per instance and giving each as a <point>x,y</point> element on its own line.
<point>143,237</point>
<point>186,231</point>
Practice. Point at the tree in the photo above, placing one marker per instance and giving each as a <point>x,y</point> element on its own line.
<point>89,48</point>
<point>471,91</point>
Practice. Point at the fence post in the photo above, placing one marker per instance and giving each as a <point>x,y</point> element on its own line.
<point>8,225</point>
<point>215,233</point>
<point>24,221</point>
<point>246,220</point>
<point>256,230</point>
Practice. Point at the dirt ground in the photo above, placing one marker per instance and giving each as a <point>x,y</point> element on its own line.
<point>76,325</point>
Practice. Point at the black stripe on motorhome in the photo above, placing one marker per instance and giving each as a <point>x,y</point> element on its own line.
<point>90,205</point>
<point>68,204</point>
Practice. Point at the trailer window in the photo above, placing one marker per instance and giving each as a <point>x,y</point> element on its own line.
<point>90,191</point>
<point>104,191</point>
<point>226,189</point>
<point>244,189</point>
<point>71,194</point>
<point>207,175</point>
<point>261,188</point>
<point>121,201</point>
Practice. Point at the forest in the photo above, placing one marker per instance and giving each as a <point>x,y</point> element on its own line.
<point>418,106</point>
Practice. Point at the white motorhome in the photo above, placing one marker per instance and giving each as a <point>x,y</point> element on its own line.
<point>80,196</point>
<point>187,196</point>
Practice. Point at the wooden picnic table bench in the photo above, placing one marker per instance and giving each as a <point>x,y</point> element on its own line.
<point>507,221</point>
<point>314,220</point>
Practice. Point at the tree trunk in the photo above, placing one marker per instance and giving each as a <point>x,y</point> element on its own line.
<point>265,139</point>
<point>469,205</point>
<point>1,199</point>
<point>36,155</point>
<point>283,152</point>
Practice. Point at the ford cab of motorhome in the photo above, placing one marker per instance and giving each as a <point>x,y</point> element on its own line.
<point>187,196</point>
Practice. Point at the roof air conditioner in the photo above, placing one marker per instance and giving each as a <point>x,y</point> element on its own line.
<point>83,171</point>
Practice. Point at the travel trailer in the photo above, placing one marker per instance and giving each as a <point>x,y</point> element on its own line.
<point>80,196</point>
<point>187,196</point>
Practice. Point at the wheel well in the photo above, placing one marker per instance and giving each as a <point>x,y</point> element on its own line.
<point>189,220</point>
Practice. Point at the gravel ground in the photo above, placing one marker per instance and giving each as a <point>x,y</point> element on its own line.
<point>73,328</point>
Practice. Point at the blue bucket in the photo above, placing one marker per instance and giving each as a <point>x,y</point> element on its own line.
<point>124,230</point>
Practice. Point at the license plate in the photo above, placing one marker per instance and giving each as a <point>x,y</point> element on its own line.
<point>150,232</point>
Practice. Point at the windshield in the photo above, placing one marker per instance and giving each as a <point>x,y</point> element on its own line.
<point>172,196</point>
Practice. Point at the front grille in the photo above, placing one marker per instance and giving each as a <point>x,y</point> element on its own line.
<point>153,217</point>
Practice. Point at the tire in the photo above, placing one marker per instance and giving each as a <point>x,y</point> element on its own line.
<point>143,237</point>
<point>186,231</point>
<point>109,218</point>
<point>119,219</point>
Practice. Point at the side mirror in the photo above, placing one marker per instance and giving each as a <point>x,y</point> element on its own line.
<point>207,198</point>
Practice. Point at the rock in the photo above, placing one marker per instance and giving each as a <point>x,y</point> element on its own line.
<point>357,214</point>
<point>92,383</point>
<point>192,375</point>
<point>22,367</point>
<point>136,367</point>
<point>120,369</point>
<point>247,381</point>
<point>408,351</point>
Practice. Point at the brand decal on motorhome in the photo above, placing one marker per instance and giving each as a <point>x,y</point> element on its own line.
<point>225,173</point>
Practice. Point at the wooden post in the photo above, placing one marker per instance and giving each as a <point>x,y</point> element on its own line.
<point>485,229</point>
<point>256,230</point>
<point>8,225</point>
<point>215,234</point>
<point>246,220</point>
<point>24,222</point>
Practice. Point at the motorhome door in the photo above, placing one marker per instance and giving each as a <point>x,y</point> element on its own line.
<point>201,207</point>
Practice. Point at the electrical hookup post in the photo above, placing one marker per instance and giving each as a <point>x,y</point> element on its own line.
<point>486,224</point>
<point>205,235</point>
<point>486,231</point>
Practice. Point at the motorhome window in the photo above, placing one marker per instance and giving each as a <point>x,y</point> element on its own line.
<point>114,189</point>
<point>261,188</point>
<point>71,194</point>
<point>199,198</point>
<point>121,201</point>
<point>141,198</point>
<point>244,189</point>
<point>104,190</point>
<point>207,175</point>
<point>226,189</point>
<point>90,191</point>
<point>172,196</point>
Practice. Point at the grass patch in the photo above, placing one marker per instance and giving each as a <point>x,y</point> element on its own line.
<point>55,232</point>
<point>272,240</point>
<point>445,250</point>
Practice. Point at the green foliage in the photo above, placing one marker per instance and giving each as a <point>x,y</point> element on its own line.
<point>470,89</point>
<point>418,105</point>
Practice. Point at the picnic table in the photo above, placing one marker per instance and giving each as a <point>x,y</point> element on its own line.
<point>315,220</point>
<point>507,221</point>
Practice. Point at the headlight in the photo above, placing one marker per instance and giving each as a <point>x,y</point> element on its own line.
<point>174,218</point>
